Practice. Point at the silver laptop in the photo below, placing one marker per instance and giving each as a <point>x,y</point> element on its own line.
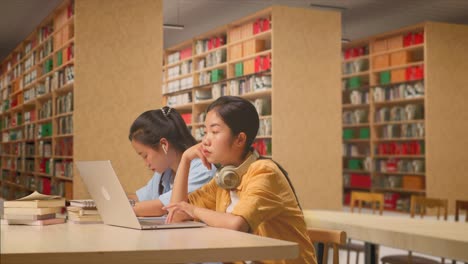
<point>112,202</point>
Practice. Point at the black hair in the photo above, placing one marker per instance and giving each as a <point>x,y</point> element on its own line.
<point>152,125</point>
<point>239,115</point>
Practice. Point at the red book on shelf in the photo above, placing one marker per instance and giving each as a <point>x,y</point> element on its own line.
<point>265,24</point>
<point>360,180</point>
<point>266,64</point>
<point>390,200</point>
<point>70,10</point>
<point>418,38</point>
<point>219,41</point>
<point>187,118</point>
<point>46,185</point>
<point>257,26</point>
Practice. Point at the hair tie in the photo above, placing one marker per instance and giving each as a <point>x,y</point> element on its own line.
<point>166,112</point>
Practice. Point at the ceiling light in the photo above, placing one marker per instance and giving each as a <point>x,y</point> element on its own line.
<point>345,40</point>
<point>328,7</point>
<point>173,26</point>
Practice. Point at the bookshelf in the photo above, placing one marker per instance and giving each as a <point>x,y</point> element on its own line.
<point>265,58</point>
<point>36,87</point>
<point>400,118</point>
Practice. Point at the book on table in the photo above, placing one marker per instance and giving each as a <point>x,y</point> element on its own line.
<point>36,200</point>
<point>34,209</point>
<point>84,203</point>
<point>51,221</point>
<point>31,210</point>
<point>83,215</point>
<point>28,217</point>
<point>82,210</point>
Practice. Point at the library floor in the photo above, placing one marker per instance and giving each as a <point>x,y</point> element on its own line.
<point>385,251</point>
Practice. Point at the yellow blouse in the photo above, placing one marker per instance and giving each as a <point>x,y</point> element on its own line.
<point>267,203</point>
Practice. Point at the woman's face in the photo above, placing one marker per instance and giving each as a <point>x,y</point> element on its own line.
<point>155,160</point>
<point>218,142</point>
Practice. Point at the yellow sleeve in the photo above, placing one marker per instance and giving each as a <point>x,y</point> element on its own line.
<point>205,197</point>
<point>260,198</point>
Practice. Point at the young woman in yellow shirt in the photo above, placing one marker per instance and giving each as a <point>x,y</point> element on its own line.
<point>247,194</point>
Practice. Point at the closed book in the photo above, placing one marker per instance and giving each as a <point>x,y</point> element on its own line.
<point>84,218</point>
<point>83,203</point>
<point>51,221</point>
<point>28,217</point>
<point>31,211</point>
<point>82,211</point>
<point>84,222</point>
<point>35,203</point>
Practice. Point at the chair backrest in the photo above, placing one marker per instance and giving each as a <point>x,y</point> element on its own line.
<point>328,237</point>
<point>424,202</point>
<point>369,197</point>
<point>461,205</point>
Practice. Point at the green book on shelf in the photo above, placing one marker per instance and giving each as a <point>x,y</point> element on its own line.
<point>364,133</point>
<point>385,77</point>
<point>59,58</point>
<point>354,164</point>
<point>348,133</point>
<point>239,69</point>
<point>46,130</point>
<point>354,82</point>
<point>217,75</point>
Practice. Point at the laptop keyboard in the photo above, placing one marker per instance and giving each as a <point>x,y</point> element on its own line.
<point>152,222</point>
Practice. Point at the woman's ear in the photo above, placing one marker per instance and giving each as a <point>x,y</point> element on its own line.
<point>164,144</point>
<point>241,139</point>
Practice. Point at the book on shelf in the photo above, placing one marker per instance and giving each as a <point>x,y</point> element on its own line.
<point>51,221</point>
<point>36,200</point>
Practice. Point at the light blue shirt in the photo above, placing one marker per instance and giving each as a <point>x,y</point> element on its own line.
<point>199,175</point>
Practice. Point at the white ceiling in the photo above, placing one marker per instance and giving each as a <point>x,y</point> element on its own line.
<point>360,19</point>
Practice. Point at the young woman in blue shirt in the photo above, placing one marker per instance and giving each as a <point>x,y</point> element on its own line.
<point>160,137</point>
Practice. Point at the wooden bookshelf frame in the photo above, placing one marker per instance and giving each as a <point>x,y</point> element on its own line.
<point>441,69</point>
<point>296,147</point>
<point>19,182</point>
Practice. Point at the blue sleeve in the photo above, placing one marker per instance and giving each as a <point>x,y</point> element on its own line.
<point>199,175</point>
<point>150,190</point>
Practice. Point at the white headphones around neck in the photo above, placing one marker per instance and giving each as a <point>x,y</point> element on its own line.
<point>229,177</point>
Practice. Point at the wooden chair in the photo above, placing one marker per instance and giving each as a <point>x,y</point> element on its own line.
<point>329,238</point>
<point>360,197</point>
<point>461,205</point>
<point>368,197</point>
<point>422,203</point>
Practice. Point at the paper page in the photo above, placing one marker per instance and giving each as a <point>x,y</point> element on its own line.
<point>38,196</point>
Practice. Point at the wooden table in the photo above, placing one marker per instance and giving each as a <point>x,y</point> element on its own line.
<point>96,243</point>
<point>432,237</point>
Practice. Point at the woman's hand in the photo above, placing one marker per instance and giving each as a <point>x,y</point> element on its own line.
<point>179,212</point>
<point>196,151</point>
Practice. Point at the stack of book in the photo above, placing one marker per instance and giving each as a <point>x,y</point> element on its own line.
<point>83,212</point>
<point>34,209</point>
